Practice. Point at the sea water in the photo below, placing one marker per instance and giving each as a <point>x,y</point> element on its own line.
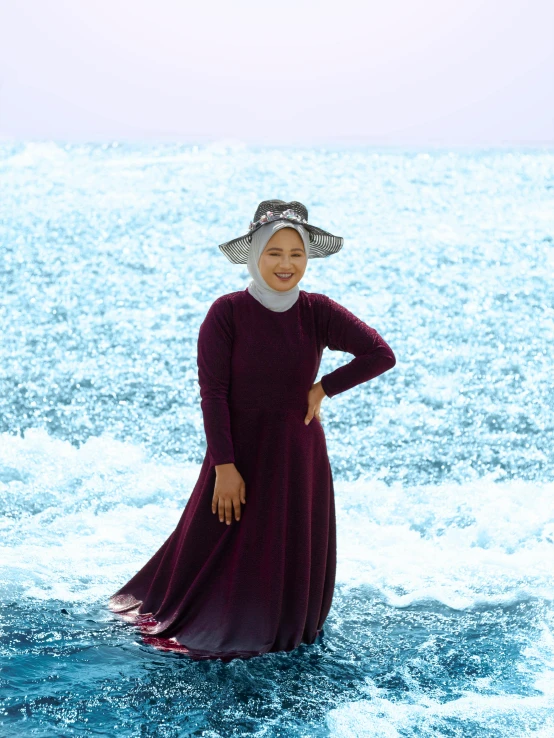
<point>442,622</point>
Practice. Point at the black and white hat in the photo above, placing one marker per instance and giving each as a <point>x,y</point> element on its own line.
<point>322,243</point>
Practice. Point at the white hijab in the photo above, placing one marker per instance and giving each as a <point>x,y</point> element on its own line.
<point>275,300</point>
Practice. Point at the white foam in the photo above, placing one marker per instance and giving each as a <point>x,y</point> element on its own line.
<point>39,152</point>
<point>474,712</point>
<point>463,545</point>
<point>86,519</point>
<point>381,718</point>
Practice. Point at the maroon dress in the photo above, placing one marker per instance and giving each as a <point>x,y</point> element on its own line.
<point>263,583</point>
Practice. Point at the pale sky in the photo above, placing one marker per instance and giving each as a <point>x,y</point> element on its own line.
<point>394,72</point>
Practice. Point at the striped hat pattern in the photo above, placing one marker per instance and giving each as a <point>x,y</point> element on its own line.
<point>322,243</point>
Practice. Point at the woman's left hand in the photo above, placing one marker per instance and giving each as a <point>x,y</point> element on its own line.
<point>315,396</point>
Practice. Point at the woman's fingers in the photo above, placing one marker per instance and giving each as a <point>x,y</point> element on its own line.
<point>225,505</point>
<point>228,511</point>
<point>315,398</point>
<point>313,411</point>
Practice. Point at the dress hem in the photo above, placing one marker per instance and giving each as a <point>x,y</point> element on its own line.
<point>146,622</point>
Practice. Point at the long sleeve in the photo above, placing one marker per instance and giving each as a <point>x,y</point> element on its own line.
<point>215,341</point>
<point>346,332</point>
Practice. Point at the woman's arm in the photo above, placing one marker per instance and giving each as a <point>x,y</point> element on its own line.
<point>215,341</point>
<point>346,332</point>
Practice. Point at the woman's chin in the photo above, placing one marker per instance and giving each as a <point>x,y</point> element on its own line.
<point>284,286</point>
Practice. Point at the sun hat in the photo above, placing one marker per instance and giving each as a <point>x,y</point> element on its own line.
<point>322,243</point>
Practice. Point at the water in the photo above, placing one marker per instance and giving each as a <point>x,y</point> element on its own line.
<point>443,618</point>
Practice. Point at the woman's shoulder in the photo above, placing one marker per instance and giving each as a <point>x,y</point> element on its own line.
<point>327,309</point>
<point>318,300</point>
<point>222,307</point>
<point>218,316</point>
<point>228,300</point>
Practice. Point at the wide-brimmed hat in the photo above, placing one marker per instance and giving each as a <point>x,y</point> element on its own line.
<point>322,243</point>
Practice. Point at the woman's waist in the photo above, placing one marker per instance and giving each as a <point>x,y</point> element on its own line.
<point>298,407</point>
<point>277,397</point>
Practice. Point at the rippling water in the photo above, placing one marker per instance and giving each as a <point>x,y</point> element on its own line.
<point>443,617</point>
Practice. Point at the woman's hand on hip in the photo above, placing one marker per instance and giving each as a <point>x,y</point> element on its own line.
<point>315,397</point>
<point>229,492</point>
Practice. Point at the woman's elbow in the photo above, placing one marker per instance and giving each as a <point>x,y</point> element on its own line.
<point>391,359</point>
<point>386,354</point>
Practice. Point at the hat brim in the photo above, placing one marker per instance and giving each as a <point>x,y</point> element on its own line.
<point>322,244</point>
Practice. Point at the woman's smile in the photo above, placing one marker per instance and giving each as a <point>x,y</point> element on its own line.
<point>283,261</point>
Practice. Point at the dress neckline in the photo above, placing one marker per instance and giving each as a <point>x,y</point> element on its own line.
<point>275,312</point>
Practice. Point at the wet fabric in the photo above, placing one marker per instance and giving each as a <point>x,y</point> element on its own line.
<point>264,583</point>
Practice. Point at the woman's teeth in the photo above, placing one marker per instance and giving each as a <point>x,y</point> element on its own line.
<point>284,276</point>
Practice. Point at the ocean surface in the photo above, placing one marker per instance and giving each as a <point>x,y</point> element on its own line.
<point>442,622</point>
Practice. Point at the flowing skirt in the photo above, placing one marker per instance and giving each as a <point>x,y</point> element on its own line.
<point>261,584</point>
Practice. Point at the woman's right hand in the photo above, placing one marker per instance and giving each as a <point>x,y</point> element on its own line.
<point>229,492</point>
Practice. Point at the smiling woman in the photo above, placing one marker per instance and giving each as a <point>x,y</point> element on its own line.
<point>277,260</point>
<point>284,259</point>
<point>250,568</point>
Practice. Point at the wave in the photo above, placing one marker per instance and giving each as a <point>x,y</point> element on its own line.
<point>78,521</point>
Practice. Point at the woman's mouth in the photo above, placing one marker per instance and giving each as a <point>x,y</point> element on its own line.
<point>284,276</point>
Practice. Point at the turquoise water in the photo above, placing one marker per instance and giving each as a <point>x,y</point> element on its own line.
<point>443,616</point>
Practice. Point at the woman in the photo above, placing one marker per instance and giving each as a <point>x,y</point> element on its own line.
<point>250,567</point>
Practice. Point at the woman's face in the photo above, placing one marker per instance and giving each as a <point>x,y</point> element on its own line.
<point>283,255</point>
